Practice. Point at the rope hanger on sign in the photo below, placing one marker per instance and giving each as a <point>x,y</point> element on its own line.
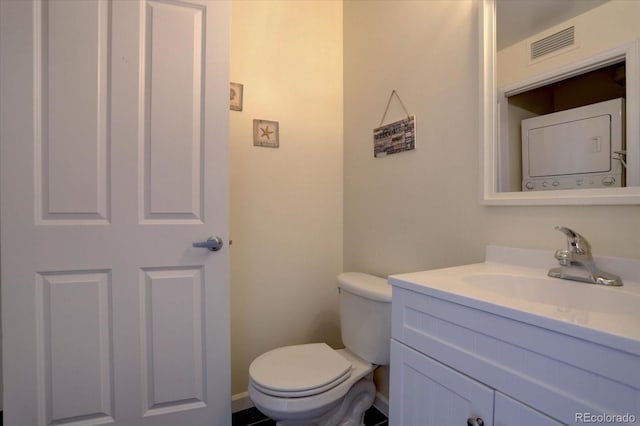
<point>394,137</point>
<point>393,92</point>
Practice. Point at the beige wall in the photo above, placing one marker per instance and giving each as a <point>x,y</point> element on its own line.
<point>411,211</point>
<point>421,209</point>
<point>286,203</point>
<point>418,209</point>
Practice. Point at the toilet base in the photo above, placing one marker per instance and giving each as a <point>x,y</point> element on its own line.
<point>347,412</point>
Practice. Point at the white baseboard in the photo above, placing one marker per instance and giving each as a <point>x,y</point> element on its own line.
<point>382,404</point>
<point>241,401</point>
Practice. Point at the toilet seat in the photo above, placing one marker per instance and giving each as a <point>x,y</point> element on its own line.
<point>299,371</point>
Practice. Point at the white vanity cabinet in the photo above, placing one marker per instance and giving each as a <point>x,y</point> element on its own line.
<point>455,357</point>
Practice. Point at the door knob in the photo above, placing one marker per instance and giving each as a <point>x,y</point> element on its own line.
<point>212,243</point>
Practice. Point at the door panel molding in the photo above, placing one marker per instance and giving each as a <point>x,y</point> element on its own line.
<point>173,72</point>
<point>75,339</point>
<point>72,87</point>
<point>172,320</point>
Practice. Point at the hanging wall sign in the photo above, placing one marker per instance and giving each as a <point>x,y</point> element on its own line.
<point>395,137</point>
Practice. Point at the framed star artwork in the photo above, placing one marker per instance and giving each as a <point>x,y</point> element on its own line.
<point>235,96</point>
<point>265,133</point>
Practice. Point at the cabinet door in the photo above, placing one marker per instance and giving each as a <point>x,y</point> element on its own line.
<point>510,412</point>
<point>425,392</point>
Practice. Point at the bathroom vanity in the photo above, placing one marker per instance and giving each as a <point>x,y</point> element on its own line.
<point>501,343</point>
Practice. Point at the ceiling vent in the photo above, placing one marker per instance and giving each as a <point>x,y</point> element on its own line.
<point>553,43</point>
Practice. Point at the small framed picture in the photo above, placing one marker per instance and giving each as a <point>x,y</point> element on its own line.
<point>235,99</point>
<point>265,133</point>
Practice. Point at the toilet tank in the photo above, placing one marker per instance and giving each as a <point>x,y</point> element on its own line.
<point>365,315</point>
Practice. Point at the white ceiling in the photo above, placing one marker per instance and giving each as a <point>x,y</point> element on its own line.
<point>519,19</point>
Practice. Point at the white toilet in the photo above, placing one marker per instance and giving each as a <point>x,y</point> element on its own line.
<point>314,384</point>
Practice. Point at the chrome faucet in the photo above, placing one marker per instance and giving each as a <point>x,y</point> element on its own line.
<point>578,254</point>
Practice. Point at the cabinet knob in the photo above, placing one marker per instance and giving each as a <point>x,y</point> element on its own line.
<point>475,422</point>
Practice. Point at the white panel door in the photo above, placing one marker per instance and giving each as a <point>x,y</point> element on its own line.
<point>113,161</point>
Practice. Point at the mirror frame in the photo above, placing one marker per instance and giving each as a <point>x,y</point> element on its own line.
<point>489,118</point>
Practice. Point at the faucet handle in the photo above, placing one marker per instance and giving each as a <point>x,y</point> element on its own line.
<point>575,242</point>
<point>563,257</point>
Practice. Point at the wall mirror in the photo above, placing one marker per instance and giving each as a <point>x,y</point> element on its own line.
<point>560,83</point>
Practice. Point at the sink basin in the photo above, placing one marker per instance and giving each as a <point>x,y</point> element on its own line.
<point>562,294</point>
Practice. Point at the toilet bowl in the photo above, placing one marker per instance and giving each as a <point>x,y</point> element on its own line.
<point>319,404</point>
<point>313,384</point>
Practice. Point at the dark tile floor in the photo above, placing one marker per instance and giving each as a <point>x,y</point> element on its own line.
<point>252,416</point>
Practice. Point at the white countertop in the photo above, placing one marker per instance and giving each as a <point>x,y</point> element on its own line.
<point>514,283</point>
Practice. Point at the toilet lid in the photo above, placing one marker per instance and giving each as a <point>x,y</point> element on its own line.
<point>299,370</point>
